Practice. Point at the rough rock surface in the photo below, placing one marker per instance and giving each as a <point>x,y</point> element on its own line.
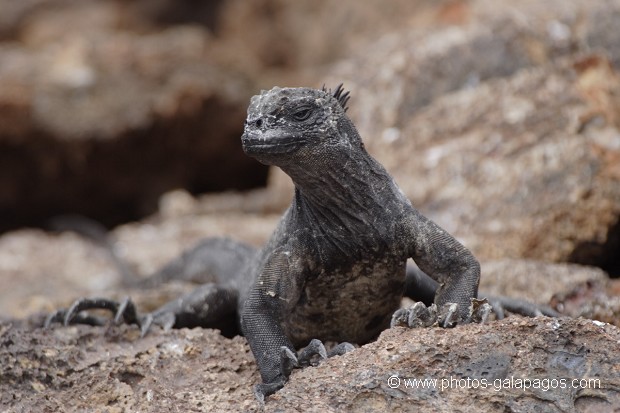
<point>494,41</point>
<point>512,349</point>
<point>83,369</point>
<point>86,369</point>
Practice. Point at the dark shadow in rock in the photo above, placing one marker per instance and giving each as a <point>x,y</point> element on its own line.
<point>605,255</point>
<point>121,179</point>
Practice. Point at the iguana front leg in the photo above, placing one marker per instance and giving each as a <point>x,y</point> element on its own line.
<point>422,288</point>
<point>273,351</point>
<point>276,289</point>
<point>450,264</point>
<point>264,312</point>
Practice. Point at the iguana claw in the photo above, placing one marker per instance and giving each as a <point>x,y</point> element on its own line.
<point>124,311</point>
<point>419,315</point>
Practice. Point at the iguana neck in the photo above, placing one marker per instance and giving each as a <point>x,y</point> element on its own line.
<point>350,190</point>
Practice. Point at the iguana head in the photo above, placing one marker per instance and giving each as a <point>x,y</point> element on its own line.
<point>294,126</point>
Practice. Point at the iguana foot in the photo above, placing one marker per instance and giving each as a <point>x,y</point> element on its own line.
<point>416,316</point>
<point>124,310</point>
<point>481,310</point>
<point>263,390</point>
<point>290,361</point>
<point>203,306</point>
<point>307,356</point>
<point>419,315</point>
<point>340,349</point>
<point>448,315</point>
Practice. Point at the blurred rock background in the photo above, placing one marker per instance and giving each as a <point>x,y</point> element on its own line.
<point>500,120</point>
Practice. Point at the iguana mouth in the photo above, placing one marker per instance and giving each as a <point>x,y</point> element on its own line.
<point>255,145</point>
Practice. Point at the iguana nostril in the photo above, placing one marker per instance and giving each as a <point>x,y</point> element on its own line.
<point>258,123</point>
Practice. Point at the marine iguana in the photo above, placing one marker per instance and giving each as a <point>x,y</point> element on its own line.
<point>335,268</point>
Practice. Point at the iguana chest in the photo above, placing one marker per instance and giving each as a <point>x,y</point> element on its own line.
<point>353,302</point>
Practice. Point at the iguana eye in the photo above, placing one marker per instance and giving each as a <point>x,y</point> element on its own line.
<point>302,114</point>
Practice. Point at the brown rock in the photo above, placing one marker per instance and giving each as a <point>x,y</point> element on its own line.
<point>522,364</point>
<point>38,271</point>
<point>536,281</point>
<point>547,352</point>
<point>407,68</point>
<point>100,120</point>
<point>595,299</point>
<point>82,368</point>
<point>506,169</point>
